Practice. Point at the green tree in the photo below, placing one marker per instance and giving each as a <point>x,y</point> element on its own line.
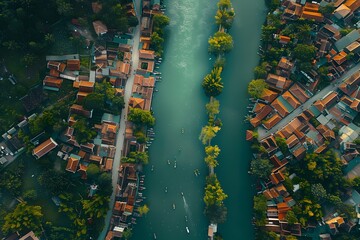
<point>127,234</point>
<point>55,182</point>
<point>92,171</point>
<point>256,87</point>
<point>30,194</point>
<point>208,133</point>
<point>291,217</point>
<point>224,4</point>
<point>225,18</point>
<point>82,132</point>
<point>140,137</point>
<point>318,191</point>
<point>212,83</point>
<point>260,207</point>
<point>140,157</point>
<point>214,194</point>
<point>260,71</point>
<point>212,152</point>
<point>160,21</point>
<point>212,108</point>
<point>304,52</point>
<point>261,167</point>
<point>216,213</point>
<point>327,9</point>
<point>23,217</point>
<point>143,210</point>
<point>141,117</point>
<point>156,43</point>
<point>94,101</point>
<point>64,8</point>
<point>220,43</point>
<point>96,207</point>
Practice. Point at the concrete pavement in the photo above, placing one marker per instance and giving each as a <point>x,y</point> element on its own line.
<point>263,133</point>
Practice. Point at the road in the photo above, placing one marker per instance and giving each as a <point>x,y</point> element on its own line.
<point>263,133</point>
<point>121,132</point>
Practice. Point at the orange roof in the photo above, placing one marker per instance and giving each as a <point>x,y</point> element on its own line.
<point>44,148</point>
<point>72,164</point>
<point>355,105</point>
<point>249,135</point>
<point>311,7</point>
<point>299,153</point>
<point>284,39</point>
<point>272,121</point>
<point>292,141</point>
<point>319,105</point>
<point>146,54</point>
<point>137,103</point>
<point>73,64</point>
<point>352,4</point>
<point>299,93</point>
<point>291,100</point>
<point>330,99</point>
<point>258,107</point>
<point>86,84</point>
<point>52,82</point>
<point>268,95</point>
<point>340,58</point>
<point>280,108</point>
<point>312,16</point>
<point>108,164</point>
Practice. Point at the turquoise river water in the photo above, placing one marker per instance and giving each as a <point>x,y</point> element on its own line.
<point>180,103</point>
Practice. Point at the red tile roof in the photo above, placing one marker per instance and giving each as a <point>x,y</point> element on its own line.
<point>72,164</point>
<point>44,148</point>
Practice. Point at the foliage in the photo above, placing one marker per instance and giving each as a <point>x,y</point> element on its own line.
<point>220,43</point>
<point>304,52</point>
<point>318,191</point>
<point>291,217</point>
<point>260,207</point>
<point>140,157</point>
<point>256,87</point>
<point>260,71</point>
<point>327,9</point>
<point>57,233</point>
<point>208,133</point>
<point>143,210</point>
<point>12,180</point>
<point>92,171</point>
<point>127,234</point>
<point>140,137</point>
<point>306,210</point>
<point>94,101</point>
<point>216,213</point>
<point>225,17</point>
<point>212,83</point>
<point>212,108</point>
<point>212,152</point>
<point>224,4</point>
<point>141,117</point>
<point>82,132</point>
<point>214,194</point>
<point>345,31</point>
<point>160,21</point>
<point>156,43</point>
<point>30,194</point>
<point>24,217</point>
<point>261,167</point>
<point>54,181</point>
<point>96,207</point>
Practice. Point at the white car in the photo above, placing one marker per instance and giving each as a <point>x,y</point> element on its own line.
<point>2,148</point>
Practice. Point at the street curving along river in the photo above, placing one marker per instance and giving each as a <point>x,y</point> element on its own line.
<point>179,108</point>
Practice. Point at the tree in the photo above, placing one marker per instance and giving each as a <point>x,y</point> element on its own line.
<point>94,101</point>
<point>143,210</point>
<point>260,71</point>
<point>117,104</point>
<point>291,217</point>
<point>225,18</point>
<point>212,108</point>
<point>92,171</point>
<point>224,4</point>
<point>96,207</point>
<point>105,184</point>
<point>12,181</point>
<point>212,84</point>
<point>306,210</point>
<point>214,194</point>
<point>24,217</point>
<point>261,167</point>
<point>82,132</point>
<point>215,213</point>
<point>212,152</point>
<point>318,191</point>
<point>141,117</point>
<point>64,8</point>
<point>327,9</point>
<point>220,43</point>
<point>140,157</point>
<point>260,207</point>
<point>304,52</point>
<point>160,21</point>
<point>257,87</point>
<point>208,133</point>
<point>127,234</point>
<point>156,43</point>
<point>54,181</point>
<point>30,194</point>
<point>304,32</point>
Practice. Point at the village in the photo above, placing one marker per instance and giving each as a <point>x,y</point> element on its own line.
<point>298,119</point>
<point>123,70</point>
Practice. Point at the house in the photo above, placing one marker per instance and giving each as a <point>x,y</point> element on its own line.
<point>355,105</point>
<point>299,93</point>
<point>272,121</point>
<point>291,100</point>
<point>340,58</point>
<point>352,4</point>
<point>52,83</point>
<point>277,83</point>
<point>311,12</point>
<point>78,109</point>
<point>146,54</point>
<point>284,67</point>
<point>268,95</point>
<point>256,121</point>
<point>349,86</point>
<point>284,39</point>
<point>342,11</point>
<point>44,148</point>
<point>73,64</point>
<point>100,28</point>
<point>348,39</point>
<point>73,162</point>
<point>85,86</point>
<point>353,48</point>
<point>280,108</point>
<point>60,67</point>
<point>325,102</point>
<point>137,103</point>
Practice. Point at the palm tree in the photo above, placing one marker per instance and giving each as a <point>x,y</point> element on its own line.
<point>212,82</point>
<point>225,18</point>
<point>97,206</point>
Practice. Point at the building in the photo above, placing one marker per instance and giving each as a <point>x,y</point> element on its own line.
<point>72,163</point>
<point>44,148</point>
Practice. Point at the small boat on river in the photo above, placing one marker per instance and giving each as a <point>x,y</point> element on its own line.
<point>155,236</point>
<point>187,230</point>
<point>174,206</point>
<point>175,164</point>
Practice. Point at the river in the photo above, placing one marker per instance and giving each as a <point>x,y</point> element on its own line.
<point>180,103</point>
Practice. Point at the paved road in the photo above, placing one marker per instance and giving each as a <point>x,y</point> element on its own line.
<point>264,133</point>
<point>121,133</point>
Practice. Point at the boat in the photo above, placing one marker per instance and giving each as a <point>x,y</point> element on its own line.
<point>160,58</point>
<point>174,206</point>
<point>142,188</point>
<point>152,139</point>
<point>169,162</point>
<point>187,230</point>
<point>182,130</point>
<point>157,67</point>
<point>175,164</point>
<point>166,189</point>
<point>152,167</point>
<point>182,194</point>
<point>186,219</point>
<point>195,172</point>
<point>156,90</point>
<point>154,236</point>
